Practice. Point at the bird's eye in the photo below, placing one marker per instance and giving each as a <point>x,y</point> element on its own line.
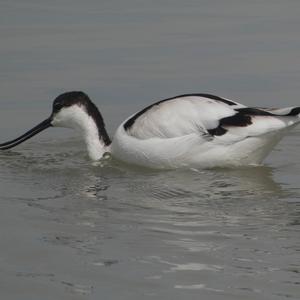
<point>57,106</point>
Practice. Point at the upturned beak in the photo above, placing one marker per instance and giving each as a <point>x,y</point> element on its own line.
<point>32,132</point>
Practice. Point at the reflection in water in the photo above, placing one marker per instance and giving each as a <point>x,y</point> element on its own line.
<point>216,230</point>
<point>180,191</point>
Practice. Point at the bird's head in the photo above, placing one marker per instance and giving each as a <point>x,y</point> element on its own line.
<point>72,110</point>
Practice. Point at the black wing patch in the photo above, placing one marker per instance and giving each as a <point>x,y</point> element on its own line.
<point>209,96</point>
<point>243,118</point>
<point>295,111</point>
<point>239,120</point>
<point>131,121</point>
<point>253,111</point>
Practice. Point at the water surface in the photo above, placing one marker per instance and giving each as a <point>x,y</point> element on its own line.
<point>71,229</point>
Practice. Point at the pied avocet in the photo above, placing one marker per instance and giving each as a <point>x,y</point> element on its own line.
<point>191,130</point>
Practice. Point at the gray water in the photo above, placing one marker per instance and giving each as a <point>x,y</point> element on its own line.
<point>71,229</point>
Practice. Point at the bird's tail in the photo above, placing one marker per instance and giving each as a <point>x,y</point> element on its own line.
<point>293,112</point>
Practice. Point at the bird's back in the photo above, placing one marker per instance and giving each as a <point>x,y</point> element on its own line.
<point>203,130</point>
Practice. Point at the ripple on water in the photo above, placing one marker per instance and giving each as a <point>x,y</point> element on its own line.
<point>218,231</point>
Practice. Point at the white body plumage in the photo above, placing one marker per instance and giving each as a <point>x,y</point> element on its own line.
<point>175,134</point>
<point>194,130</point>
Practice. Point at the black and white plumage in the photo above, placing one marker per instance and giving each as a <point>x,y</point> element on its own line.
<point>192,130</point>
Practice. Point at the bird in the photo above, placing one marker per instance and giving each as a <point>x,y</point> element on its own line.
<point>186,131</point>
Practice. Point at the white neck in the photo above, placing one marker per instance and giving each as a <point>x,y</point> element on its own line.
<point>77,118</point>
<point>95,146</point>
